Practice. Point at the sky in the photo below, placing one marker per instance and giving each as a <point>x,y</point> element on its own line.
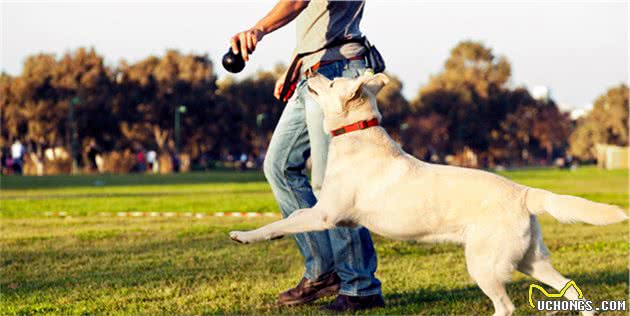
<point>576,48</point>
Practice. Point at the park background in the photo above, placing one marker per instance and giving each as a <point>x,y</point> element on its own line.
<point>534,91</point>
<point>454,97</point>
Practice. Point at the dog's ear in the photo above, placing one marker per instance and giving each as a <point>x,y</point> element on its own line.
<point>376,82</point>
<point>373,83</point>
<point>317,84</point>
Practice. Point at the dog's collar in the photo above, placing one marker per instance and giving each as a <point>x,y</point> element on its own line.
<point>355,127</point>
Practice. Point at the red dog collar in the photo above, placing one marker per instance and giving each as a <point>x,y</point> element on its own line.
<point>355,127</point>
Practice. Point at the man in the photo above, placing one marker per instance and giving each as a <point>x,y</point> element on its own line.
<point>339,261</point>
<point>17,151</point>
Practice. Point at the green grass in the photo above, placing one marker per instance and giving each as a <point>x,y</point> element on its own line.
<point>109,265</point>
<point>221,191</point>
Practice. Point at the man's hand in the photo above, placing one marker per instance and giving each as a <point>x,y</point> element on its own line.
<point>246,41</point>
<point>282,13</point>
<point>278,88</point>
<point>280,82</point>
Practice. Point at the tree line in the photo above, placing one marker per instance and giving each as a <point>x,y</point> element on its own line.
<point>467,114</point>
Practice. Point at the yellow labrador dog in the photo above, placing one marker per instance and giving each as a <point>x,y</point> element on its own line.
<point>371,181</point>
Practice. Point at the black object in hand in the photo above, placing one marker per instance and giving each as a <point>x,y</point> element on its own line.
<point>233,63</point>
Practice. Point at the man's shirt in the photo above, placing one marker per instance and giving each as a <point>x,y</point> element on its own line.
<point>323,22</point>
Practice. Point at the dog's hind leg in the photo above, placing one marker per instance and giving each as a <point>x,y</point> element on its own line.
<point>492,286</point>
<point>304,220</point>
<point>489,266</point>
<point>536,264</point>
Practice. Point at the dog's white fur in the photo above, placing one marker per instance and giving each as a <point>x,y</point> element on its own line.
<point>371,181</point>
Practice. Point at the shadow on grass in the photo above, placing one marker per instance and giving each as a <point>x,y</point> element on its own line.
<point>430,299</point>
<point>192,256</point>
<point>444,301</point>
<point>205,259</point>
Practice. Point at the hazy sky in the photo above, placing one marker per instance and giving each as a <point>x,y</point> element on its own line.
<point>577,48</point>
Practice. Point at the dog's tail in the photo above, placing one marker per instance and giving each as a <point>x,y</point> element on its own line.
<point>569,209</point>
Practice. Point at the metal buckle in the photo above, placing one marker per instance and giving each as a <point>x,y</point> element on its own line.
<point>340,131</point>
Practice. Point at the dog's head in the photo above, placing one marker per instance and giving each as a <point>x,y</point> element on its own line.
<point>345,101</point>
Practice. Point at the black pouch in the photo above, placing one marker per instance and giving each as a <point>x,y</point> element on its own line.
<point>373,57</point>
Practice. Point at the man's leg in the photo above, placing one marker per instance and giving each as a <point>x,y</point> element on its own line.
<point>284,167</point>
<point>355,257</point>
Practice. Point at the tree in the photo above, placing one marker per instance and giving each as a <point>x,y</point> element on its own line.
<point>35,104</point>
<point>82,78</point>
<point>535,128</point>
<point>471,99</point>
<point>393,105</point>
<point>252,111</point>
<point>425,136</point>
<point>148,93</point>
<point>467,94</point>
<point>606,123</point>
<point>29,104</point>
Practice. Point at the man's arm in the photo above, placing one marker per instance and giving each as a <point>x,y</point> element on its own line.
<point>281,14</point>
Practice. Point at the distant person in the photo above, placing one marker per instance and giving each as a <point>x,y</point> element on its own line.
<point>17,154</point>
<point>92,153</point>
<point>340,261</point>
<point>140,161</point>
<point>568,161</point>
<point>260,158</point>
<point>250,163</point>
<point>151,160</point>
<point>242,161</point>
<point>175,161</point>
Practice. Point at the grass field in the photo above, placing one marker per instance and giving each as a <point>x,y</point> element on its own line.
<point>89,264</point>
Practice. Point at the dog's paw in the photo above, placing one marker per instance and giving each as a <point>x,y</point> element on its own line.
<point>239,237</point>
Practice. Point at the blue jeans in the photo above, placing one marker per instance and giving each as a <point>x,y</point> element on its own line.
<point>299,134</point>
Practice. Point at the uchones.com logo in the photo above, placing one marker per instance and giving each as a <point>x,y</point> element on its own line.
<point>553,302</point>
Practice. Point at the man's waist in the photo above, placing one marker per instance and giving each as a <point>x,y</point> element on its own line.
<point>333,54</point>
<point>313,69</point>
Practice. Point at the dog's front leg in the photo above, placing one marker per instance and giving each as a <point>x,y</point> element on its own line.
<point>303,220</point>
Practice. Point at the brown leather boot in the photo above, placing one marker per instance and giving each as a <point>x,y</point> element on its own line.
<point>307,291</point>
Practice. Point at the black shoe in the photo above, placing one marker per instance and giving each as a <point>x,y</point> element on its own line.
<point>354,303</point>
